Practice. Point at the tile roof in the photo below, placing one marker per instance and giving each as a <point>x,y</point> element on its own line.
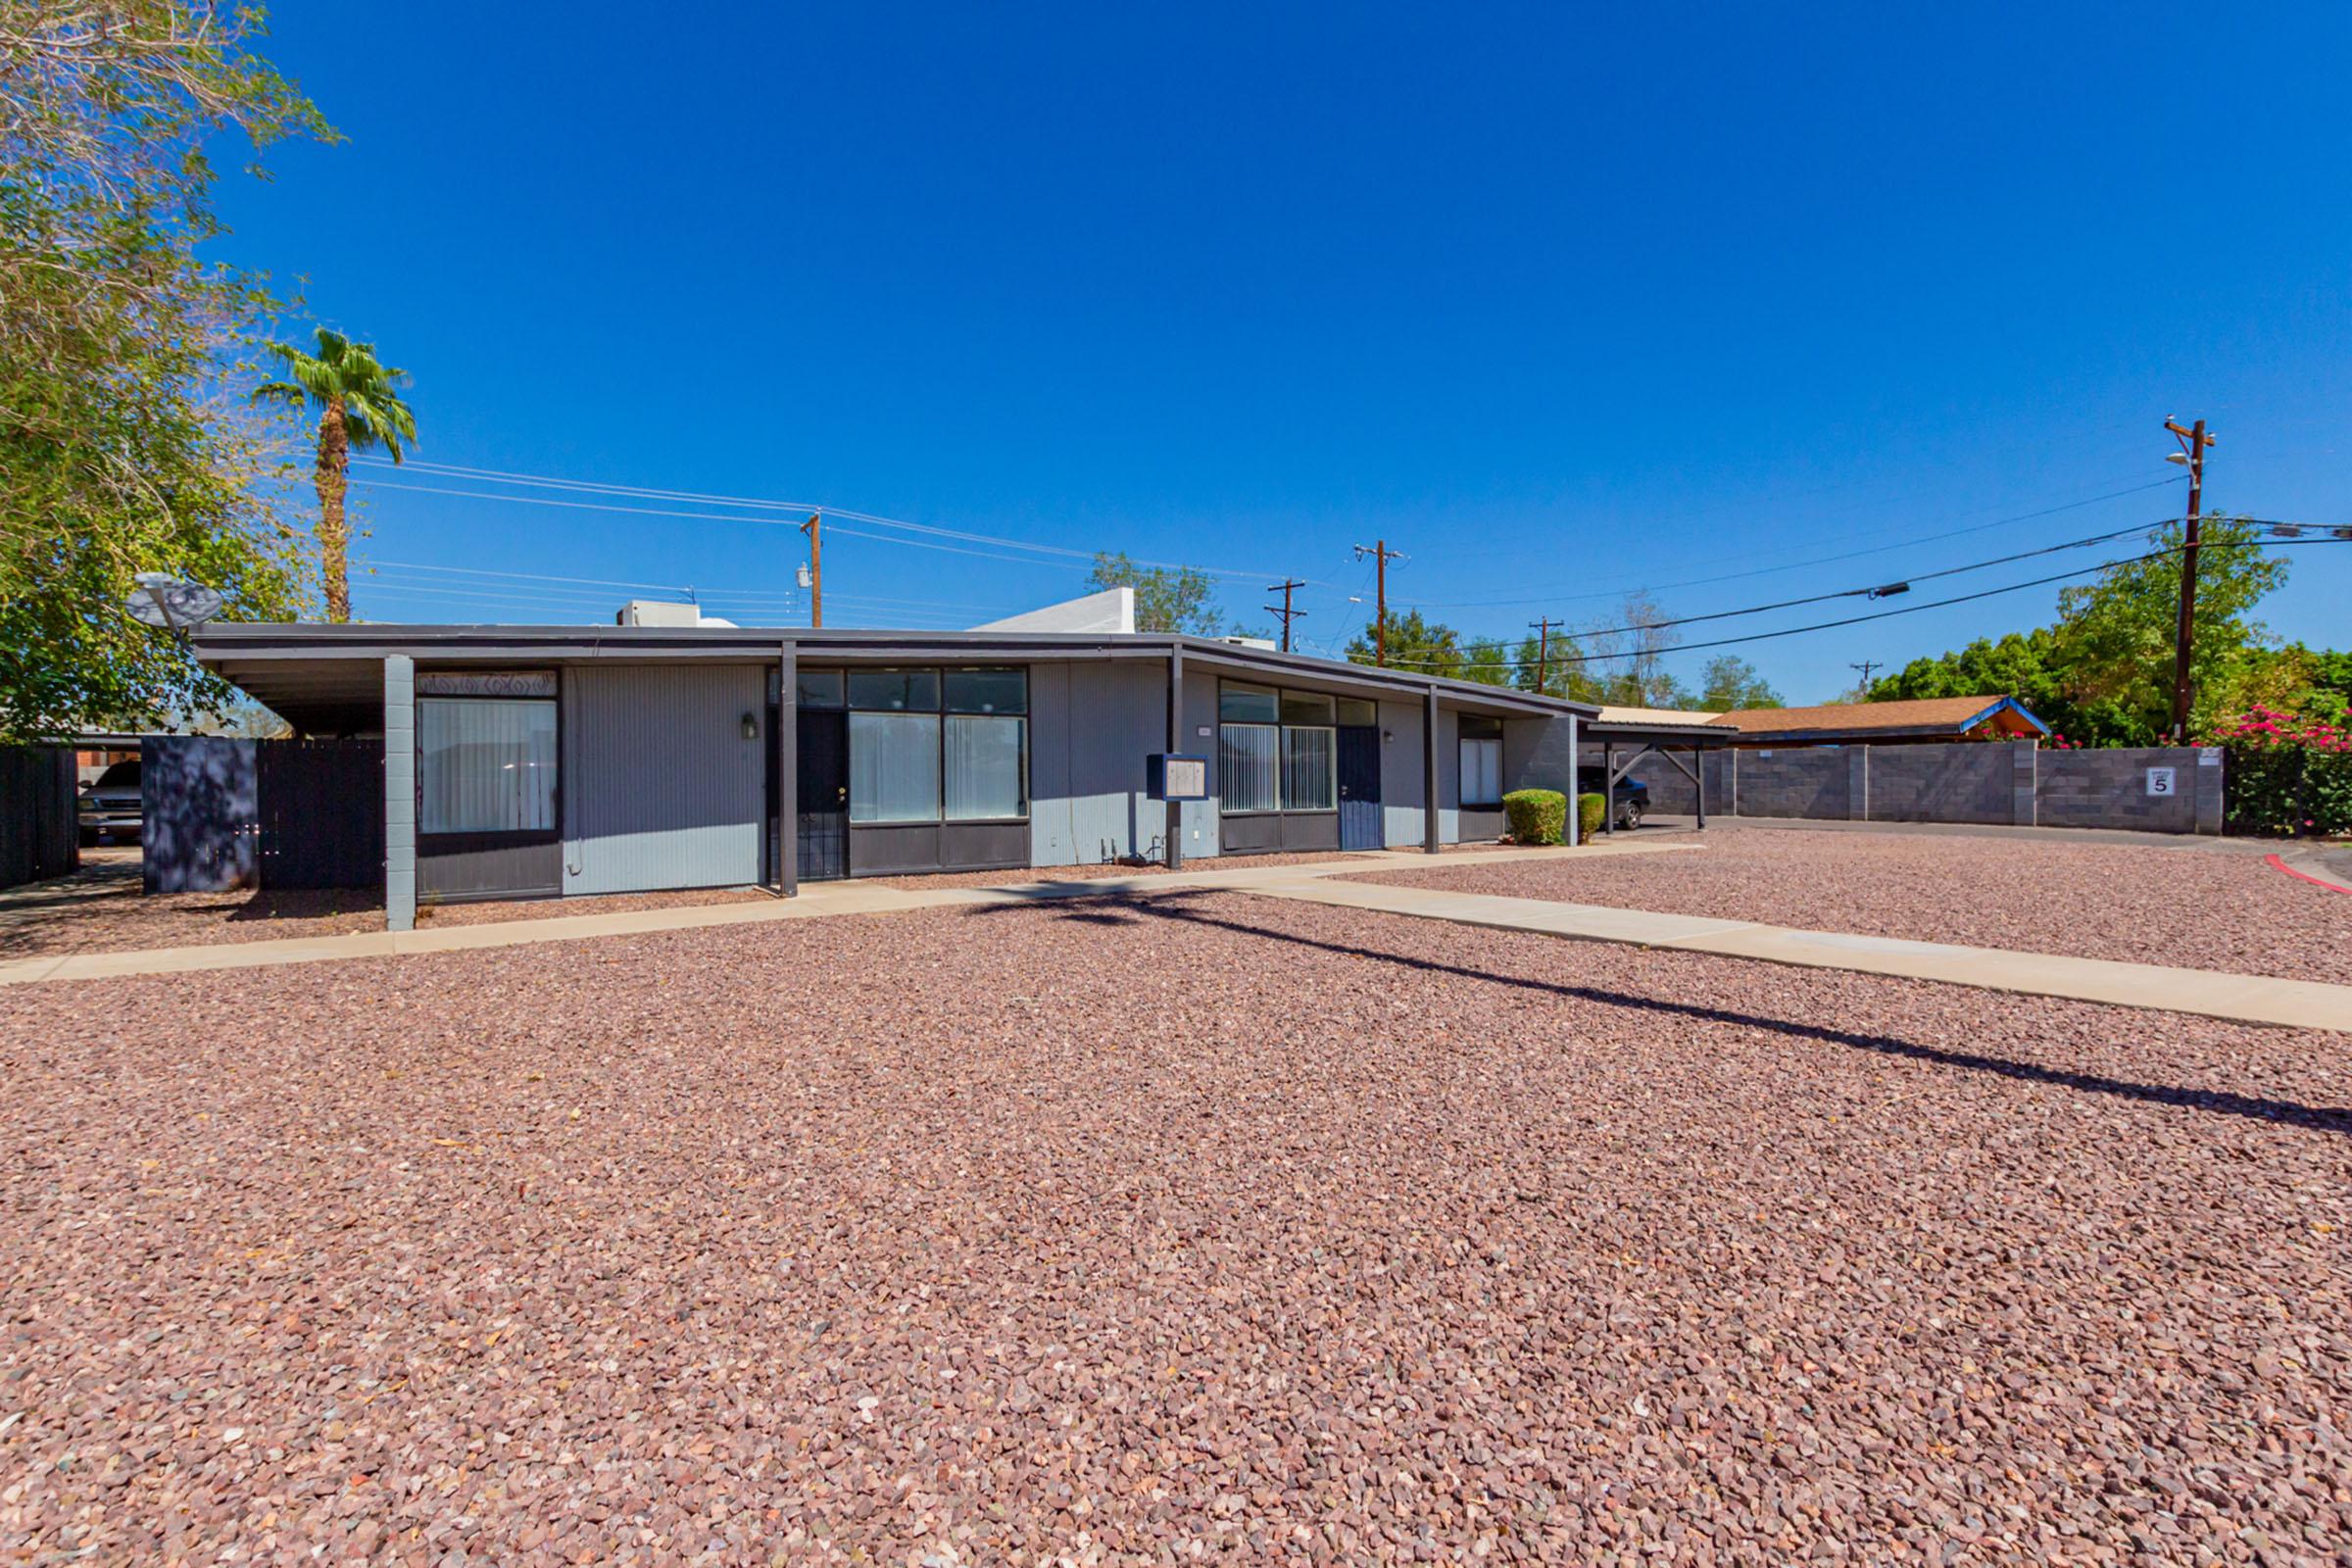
<point>1922,713</point>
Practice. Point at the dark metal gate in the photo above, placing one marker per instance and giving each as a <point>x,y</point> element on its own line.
<point>824,774</point>
<point>1360,823</point>
<point>321,813</point>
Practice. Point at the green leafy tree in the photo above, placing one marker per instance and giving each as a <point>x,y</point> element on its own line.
<point>1414,642</point>
<point>1167,598</point>
<point>123,447</point>
<point>1731,682</point>
<point>359,406</point>
<point>1487,663</point>
<point>1553,667</point>
<point>2118,632</point>
<point>2102,675</point>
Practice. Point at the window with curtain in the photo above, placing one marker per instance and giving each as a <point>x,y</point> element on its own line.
<point>982,762</point>
<point>1249,767</point>
<point>1482,771</point>
<point>894,767</point>
<point>485,766</point>
<point>1309,762</point>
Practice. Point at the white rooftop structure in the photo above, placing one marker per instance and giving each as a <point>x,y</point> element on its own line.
<point>1111,610</point>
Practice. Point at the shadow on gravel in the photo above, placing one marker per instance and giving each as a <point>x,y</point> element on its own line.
<point>1136,910</point>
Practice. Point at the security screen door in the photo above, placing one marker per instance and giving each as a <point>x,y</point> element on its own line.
<point>824,794</point>
<point>1361,824</point>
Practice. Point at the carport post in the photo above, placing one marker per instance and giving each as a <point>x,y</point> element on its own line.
<point>1175,846</point>
<point>787,742</point>
<point>399,793</point>
<point>1431,827</point>
<point>1698,778</point>
<point>1575,740</point>
<point>1609,788</point>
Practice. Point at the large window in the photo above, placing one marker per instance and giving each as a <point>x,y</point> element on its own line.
<point>1276,749</point>
<point>894,767</point>
<point>911,762</point>
<point>486,764</point>
<point>1482,761</point>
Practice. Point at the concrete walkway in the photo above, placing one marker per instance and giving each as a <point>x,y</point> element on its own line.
<point>2130,837</point>
<point>2208,993</point>
<point>816,900</point>
<point>2214,994</point>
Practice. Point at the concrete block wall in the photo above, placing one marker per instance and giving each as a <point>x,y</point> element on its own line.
<point>1814,781</point>
<point>2110,789</point>
<point>1671,791</point>
<point>1967,781</point>
<point>2011,782</point>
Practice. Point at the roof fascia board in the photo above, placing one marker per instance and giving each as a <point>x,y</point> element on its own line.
<point>221,643</point>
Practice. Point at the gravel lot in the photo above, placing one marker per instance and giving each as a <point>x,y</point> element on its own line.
<point>102,911</point>
<point>2194,908</point>
<point>1149,1231</point>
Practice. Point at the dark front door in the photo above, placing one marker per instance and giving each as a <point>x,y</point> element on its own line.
<point>824,789</point>
<point>1361,824</point>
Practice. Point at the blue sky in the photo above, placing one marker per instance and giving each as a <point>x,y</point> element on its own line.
<point>1558,301</point>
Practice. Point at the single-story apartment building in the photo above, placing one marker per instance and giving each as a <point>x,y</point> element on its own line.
<point>554,760</point>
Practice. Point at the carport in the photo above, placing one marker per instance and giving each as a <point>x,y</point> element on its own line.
<point>1623,742</point>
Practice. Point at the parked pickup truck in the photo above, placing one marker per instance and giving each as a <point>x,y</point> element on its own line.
<point>1631,798</point>
<point>109,812</point>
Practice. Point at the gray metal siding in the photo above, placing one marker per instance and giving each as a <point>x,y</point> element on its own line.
<point>661,788</point>
<point>1450,776</point>
<point>1201,713</point>
<point>1401,784</point>
<point>1090,725</point>
<point>399,793</point>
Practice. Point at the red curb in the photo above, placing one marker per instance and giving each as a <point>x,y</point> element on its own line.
<point>2277,864</point>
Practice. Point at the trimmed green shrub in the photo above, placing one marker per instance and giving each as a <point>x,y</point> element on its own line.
<point>1536,816</point>
<point>1590,809</point>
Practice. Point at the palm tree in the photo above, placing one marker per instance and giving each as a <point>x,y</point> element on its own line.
<point>362,408</point>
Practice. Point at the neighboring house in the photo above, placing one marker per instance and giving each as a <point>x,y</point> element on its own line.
<point>1917,719</point>
<point>545,761</point>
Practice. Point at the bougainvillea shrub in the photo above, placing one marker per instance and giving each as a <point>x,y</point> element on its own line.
<point>2288,773</point>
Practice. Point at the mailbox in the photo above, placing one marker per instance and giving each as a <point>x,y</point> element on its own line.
<point>1171,777</point>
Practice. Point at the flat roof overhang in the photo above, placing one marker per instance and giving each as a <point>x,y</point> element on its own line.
<point>1701,737</point>
<point>328,679</point>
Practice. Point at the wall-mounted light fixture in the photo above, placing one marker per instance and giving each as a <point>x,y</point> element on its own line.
<point>751,726</point>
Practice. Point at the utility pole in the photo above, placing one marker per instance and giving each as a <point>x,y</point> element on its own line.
<point>1864,668</point>
<point>1382,555</point>
<point>814,528</point>
<point>1287,614</point>
<point>2191,456</point>
<point>1543,631</point>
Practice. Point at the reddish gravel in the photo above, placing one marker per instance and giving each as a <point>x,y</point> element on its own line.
<point>1116,869</point>
<point>1139,1232</point>
<point>102,911</point>
<point>2196,908</point>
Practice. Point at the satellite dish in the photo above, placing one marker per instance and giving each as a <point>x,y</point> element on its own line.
<point>171,603</point>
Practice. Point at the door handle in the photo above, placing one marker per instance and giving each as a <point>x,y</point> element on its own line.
<point>841,792</point>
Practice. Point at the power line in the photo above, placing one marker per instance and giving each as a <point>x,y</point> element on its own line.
<point>1907,609</point>
<point>1880,591</point>
<point>534,577</point>
<point>642,492</point>
<point>1814,561</point>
